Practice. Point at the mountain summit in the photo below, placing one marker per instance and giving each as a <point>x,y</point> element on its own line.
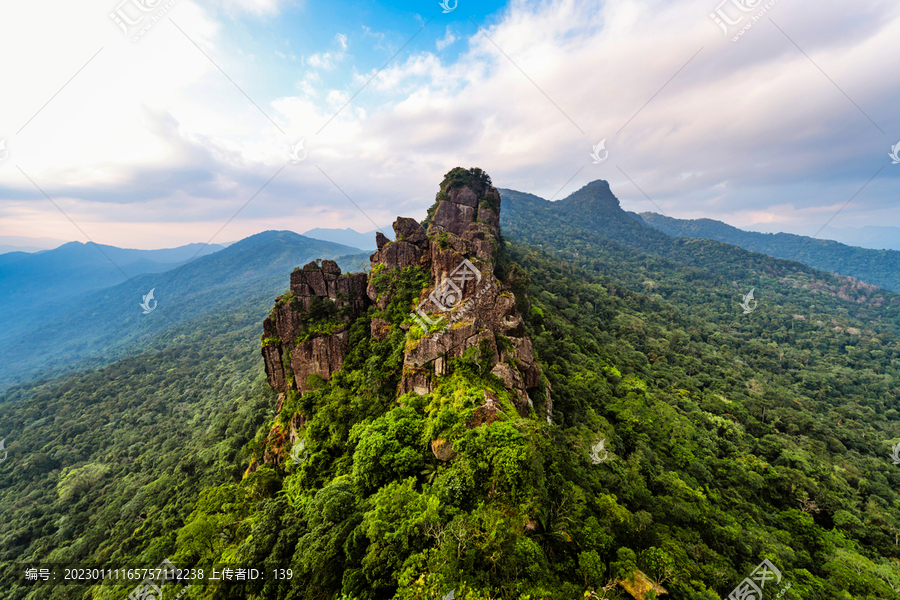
<point>456,304</point>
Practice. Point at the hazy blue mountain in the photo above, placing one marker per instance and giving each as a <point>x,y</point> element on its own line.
<point>872,237</point>
<point>74,331</point>
<point>878,267</point>
<point>349,237</point>
<point>878,238</point>
<point>4,248</point>
<point>34,283</point>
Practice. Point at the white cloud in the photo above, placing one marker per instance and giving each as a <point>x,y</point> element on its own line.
<point>327,61</point>
<point>337,98</point>
<point>445,41</point>
<point>150,145</point>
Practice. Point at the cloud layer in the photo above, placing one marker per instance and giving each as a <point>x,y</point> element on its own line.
<point>151,145</point>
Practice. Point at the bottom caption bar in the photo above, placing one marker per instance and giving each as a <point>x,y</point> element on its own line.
<point>148,582</point>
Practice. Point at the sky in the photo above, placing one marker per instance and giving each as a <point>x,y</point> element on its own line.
<point>178,124</point>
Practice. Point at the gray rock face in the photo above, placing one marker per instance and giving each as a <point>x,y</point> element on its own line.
<point>442,450</point>
<point>321,356</point>
<point>379,329</point>
<point>482,312</point>
<point>454,217</point>
<point>459,252</point>
<point>409,230</point>
<point>289,361</point>
<point>464,196</point>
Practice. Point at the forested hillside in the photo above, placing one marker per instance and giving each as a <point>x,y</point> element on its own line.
<point>877,267</point>
<point>728,437</point>
<point>89,330</point>
<point>106,465</point>
<point>41,283</point>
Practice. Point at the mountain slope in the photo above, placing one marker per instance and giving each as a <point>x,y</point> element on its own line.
<point>870,236</point>
<point>688,441</point>
<point>34,284</point>
<point>877,267</point>
<point>100,325</point>
<point>590,228</point>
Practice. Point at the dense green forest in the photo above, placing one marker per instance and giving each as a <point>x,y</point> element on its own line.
<point>731,438</point>
<point>876,267</point>
<point>105,466</point>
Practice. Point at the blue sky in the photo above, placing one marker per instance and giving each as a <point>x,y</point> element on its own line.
<point>186,134</point>
<point>372,31</point>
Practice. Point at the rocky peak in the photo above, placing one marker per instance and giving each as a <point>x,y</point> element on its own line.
<point>465,302</point>
<point>468,206</point>
<point>464,305</point>
<point>306,333</point>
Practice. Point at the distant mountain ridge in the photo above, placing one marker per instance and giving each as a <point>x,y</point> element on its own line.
<point>348,237</point>
<point>5,249</point>
<point>874,237</point>
<point>877,267</point>
<point>45,279</point>
<point>19,243</point>
<point>590,228</point>
<point>69,330</point>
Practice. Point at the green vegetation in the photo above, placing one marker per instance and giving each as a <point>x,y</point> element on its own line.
<point>731,438</point>
<point>875,267</point>
<point>105,466</point>
<point>93,330</point>
<point>475,179</point>
<point>321,318</point>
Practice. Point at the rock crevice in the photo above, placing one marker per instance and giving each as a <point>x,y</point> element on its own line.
<point>464,305</point>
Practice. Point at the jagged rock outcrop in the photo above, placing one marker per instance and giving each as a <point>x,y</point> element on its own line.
<point>306,333</point>
<point>460,252</point>
<point>464,306</point>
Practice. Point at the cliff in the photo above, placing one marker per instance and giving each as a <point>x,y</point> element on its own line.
<point>462,306</point>
<point>306,333</point>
